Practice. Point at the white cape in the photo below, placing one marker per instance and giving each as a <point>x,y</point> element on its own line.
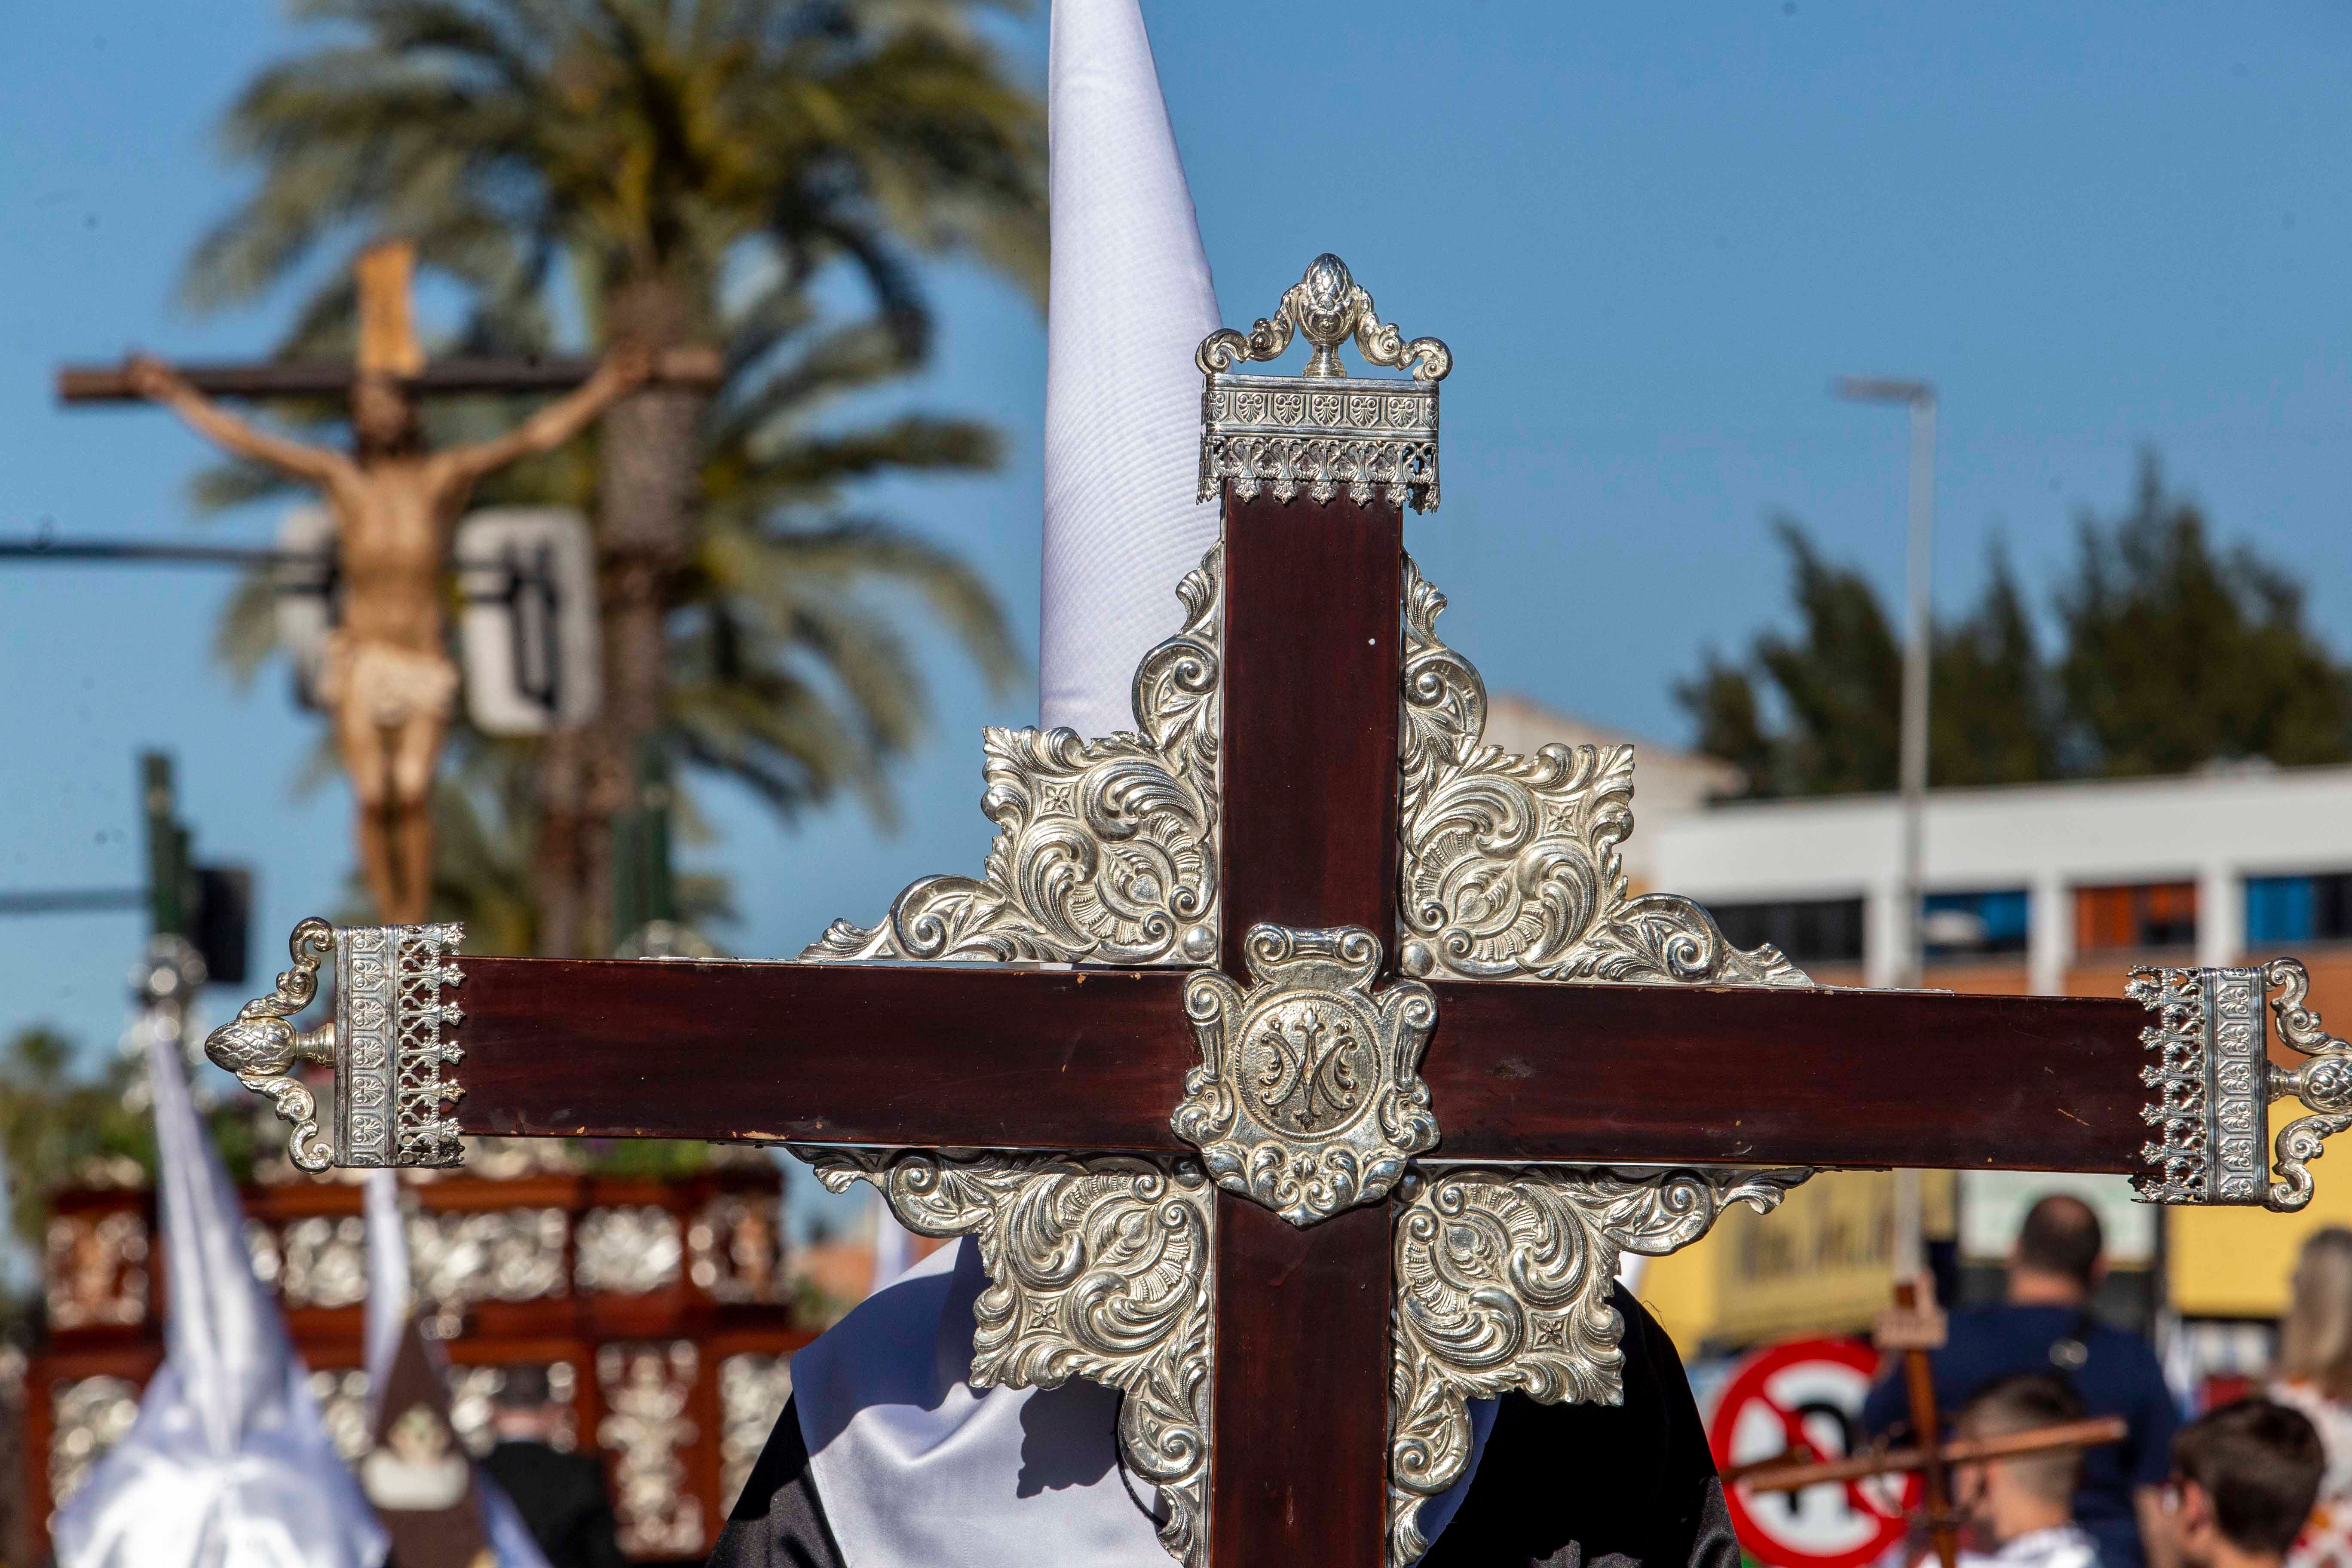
<point>916,1468</point>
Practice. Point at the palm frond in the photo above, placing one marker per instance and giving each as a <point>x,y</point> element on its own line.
<point>247,633</point>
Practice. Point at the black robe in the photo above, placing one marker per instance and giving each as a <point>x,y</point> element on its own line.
<point>1558,1485</point>
<point>562,1501</point>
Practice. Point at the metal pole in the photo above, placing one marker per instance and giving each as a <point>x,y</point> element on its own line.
<point>1917,643</point>
<point>1911,768</point>
<point>170,887</point>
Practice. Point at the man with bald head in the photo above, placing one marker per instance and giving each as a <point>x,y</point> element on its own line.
<point>2046,1326</point>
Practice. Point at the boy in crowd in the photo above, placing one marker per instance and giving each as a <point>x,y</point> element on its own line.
<point>2023,1506</point>
<point>2045,1324</point>
<point>2243,1480</point>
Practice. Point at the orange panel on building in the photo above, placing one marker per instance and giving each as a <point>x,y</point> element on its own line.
<point>2148,914</point>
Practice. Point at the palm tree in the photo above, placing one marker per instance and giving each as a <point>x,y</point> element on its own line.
<point>687,169</point>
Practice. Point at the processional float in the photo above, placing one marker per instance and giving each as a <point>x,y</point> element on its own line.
<point>1299,1038</point>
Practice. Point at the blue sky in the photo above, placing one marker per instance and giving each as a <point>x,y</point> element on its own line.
<point>1650,236</point>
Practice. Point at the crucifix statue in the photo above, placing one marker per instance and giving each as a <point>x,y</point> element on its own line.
<point>1300,1062</point>
<point>388,681</point>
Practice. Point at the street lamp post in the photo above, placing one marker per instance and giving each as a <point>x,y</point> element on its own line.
<point>1920,397</point>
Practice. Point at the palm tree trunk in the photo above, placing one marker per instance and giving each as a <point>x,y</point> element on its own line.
<point>649,454</point>
<point>559,841</point>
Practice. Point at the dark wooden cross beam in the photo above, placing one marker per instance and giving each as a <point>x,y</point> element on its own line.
<point>454,376</point>
<point>1323,1032</point>
<point>388,346</point>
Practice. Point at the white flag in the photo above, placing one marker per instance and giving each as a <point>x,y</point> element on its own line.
<point>1129,302</point>
<point>229,1465</point>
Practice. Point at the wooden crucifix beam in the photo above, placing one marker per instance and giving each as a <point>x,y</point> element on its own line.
<point>1310,622</point>
<point>333,378</point>
<point>388,346</point>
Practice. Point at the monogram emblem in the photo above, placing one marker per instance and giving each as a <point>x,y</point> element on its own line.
<point>1305,1067</point>
<point>1308,1097</point>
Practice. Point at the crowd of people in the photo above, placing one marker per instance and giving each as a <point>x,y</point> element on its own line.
<point>2263,1481</point>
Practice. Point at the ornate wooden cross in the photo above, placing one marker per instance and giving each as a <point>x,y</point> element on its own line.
<point>1299,1040</point>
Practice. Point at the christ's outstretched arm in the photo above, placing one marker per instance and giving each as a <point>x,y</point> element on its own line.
<point>626,368</point>
<point>158,383</point>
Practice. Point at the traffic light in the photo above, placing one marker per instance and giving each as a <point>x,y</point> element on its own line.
<point>224,920</point>
<point>211,906</point>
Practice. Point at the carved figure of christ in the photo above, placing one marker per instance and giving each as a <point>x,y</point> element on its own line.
<point>1304,859</point>
<point>389,682</point>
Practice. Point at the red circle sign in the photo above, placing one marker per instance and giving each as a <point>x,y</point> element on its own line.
<point>1808,1392</point>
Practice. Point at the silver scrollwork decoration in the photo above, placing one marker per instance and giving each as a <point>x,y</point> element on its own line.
<point>1308,1098</point>
<point>1510,868</point>
<point>1098,1267</point>
<point>261,1045</point>
<point>1504,1279</point>
<point>2323,1084</point>
<point>1105,850</point>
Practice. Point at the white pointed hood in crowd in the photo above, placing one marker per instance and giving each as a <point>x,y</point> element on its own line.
<point>229,1465</point>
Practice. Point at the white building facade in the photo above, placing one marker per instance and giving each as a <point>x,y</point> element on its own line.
<point>2209,864</point>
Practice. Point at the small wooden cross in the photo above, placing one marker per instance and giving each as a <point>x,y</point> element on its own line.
<point>1929,1457</point>
<point>1299,1040</point>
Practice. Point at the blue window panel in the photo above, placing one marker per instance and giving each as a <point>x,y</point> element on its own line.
<point>2281,908</point>
<point>2004,917</point>
<point>1976,923</point>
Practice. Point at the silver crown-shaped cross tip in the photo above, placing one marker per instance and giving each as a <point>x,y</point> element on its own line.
<point>1288,434</point>
<point>1329,306</point>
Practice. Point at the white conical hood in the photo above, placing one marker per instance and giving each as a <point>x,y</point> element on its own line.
<point>229,1465</point>
<point>1128,303</point>
<point>390,1287</point>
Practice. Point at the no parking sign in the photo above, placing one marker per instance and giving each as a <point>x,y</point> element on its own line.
<point>1808,1392</point>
